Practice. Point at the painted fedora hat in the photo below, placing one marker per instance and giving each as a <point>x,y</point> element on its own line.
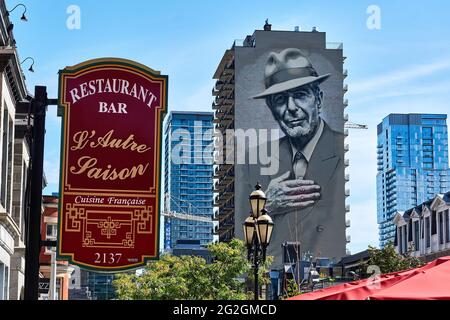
<point>287,70</point>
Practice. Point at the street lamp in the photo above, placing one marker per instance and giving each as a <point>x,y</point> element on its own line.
<point>23,18</point>
<point>257,201</point>
<point>258,229</point>
<point>31,67</point>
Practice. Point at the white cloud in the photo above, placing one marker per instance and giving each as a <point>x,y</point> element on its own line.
<point>405,91</point>
<point>399,76</point>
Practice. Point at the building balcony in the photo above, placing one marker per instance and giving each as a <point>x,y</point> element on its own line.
<point>219,100</point>
<point>390,188</point>
<point>223,168</point>
<point>347,208</point>
<point>218,85</point>
<point>223,230</point>
<point>347,223</point>
<point>223,214</point>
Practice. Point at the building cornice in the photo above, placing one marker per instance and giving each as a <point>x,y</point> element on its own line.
<point>9,58</point>
<point>10,66</point>
<point>9,224</point>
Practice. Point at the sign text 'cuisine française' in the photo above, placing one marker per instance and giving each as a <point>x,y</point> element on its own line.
<point>110,163</point>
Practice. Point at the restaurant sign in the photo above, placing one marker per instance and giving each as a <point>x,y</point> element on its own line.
<point>109,205</point>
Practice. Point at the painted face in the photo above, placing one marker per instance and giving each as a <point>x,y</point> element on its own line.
<point>297,111</point>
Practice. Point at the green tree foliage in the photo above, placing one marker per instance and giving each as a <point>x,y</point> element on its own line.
<point>388,260</point>
<point>190,277</point>
<point>292,289</point>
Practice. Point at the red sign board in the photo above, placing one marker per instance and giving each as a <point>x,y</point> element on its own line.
<point>110,163</point>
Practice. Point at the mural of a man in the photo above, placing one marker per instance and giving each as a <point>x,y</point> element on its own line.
<point>309,181</point>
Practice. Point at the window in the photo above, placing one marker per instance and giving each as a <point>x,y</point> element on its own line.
<point>10,163</point>
<point>400,240</point>
<point>396,237</point>
<point>427,132</point>
<point>427,232</point>
<point>4,275</point>
<point>24,201</point>
<point>410,233</point>
<point>422,235</point>
<point>416,235</point>
<point>447,223</point>
<point>441,228</point>
<point>52,232</point>
<point>5,292</point>
<point>405,241</point>
<point>433,223</point>
<point>4,155</point>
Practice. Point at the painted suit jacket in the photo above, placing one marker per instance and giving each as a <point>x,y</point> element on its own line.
<point>320,228</point>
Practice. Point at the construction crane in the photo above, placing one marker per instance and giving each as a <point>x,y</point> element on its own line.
<point>351,125</point>
<point>182,215</point>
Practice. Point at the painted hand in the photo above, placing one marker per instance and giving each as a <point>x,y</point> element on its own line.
<point>283,195</point>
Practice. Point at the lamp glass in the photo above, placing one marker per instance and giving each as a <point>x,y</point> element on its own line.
<point>264,229</point>
<point>257,202</point>
<point>249,230</point>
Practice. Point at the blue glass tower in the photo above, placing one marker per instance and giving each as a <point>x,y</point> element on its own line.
<point>188,180</point>
<point>412,154</point>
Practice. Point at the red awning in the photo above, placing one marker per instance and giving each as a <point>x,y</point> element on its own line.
<point>431,281</point>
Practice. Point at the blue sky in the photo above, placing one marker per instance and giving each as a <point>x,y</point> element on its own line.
<point>402,68</point>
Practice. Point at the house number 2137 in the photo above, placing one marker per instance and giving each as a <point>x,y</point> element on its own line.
<point>108,258</point>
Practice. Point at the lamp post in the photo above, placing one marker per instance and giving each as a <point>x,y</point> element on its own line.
<point>23,17</point>
<point>31,67</point>
<point>258,229</point>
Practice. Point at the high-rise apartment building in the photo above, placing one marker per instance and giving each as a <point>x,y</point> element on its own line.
<point>281,61</point>
<point>413,165</point>
<point>188,179</point>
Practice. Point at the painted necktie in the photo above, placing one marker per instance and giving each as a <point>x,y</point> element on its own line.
<point>299,165</point>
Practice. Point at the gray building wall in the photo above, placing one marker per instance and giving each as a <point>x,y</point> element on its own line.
<point>250,59</point>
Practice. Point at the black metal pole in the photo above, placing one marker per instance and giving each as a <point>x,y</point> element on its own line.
<point>255,257</point>
<point>33,245</point>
